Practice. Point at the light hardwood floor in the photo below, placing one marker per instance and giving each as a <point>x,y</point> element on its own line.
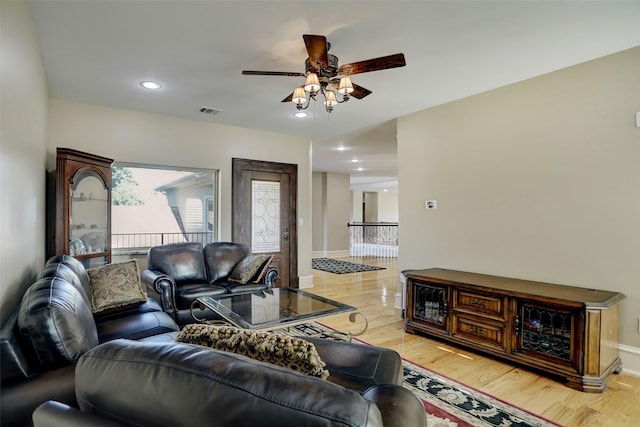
<point>373,294</point>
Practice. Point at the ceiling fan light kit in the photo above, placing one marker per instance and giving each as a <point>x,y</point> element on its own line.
<point>322,71</point>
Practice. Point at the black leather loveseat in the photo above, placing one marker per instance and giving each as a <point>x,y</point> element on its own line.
<point>178,273</point>
<point>124,383</point>
<point>53,326</point>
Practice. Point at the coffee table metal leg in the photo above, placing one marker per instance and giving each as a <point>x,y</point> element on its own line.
<point>201,307</point>
<point>348,336</point>
<point>352,319</point>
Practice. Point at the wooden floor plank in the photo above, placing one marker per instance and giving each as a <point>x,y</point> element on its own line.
<point>374,292</point>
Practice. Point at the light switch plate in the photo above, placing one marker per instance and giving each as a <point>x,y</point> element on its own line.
<point>638,119</point>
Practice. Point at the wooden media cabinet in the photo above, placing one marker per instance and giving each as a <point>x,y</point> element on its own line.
<point>565,331</point>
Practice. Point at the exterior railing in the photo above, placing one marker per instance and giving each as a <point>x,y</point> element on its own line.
<point>373,239</point>
<point>148,240</point>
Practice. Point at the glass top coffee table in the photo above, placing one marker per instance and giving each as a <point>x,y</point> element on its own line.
<point>274,308</point>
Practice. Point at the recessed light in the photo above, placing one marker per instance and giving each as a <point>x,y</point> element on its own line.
<point>341,148</point>
<point>354,161</point>
<point>150,85</point>
<point>300,114</point>
<point>360,169</point>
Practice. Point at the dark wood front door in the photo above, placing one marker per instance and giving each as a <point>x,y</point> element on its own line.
<point>264,213</point>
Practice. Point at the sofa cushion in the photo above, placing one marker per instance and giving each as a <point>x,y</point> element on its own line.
<point>13,364</point>
<point>184,262</point>
<point>247,268</point>
<point>64,271</point>
<point>282,350</point>
<point>188,292</point>
<point>136,326</point>
<point>77,267</point>
<point>115,380</point>
<point>116,285</point>
<point>221,259</point>
<point>56,322</point>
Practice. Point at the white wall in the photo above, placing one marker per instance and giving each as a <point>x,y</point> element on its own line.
<point>538,180</point>
<point>134,137</point>
<point>24,105</point>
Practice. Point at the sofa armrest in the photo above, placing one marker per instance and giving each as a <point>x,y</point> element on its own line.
<point>163,288</point>
<point>271,276</point>
<point>56,414</point>
<point>398,406</point>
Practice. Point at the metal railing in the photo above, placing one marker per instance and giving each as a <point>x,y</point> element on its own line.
<point>373,239</point>
<point>148,240</point>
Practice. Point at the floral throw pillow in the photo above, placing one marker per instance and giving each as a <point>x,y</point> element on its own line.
<point>247,268</point>
<point>282,350</point>
<point>116,285</point>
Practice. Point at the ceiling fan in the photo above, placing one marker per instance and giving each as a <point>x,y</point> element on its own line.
<point>322,71</point>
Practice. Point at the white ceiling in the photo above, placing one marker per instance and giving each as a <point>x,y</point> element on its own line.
<point>98,51</point>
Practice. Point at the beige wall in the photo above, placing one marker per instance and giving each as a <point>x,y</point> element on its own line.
<point>538,180</point>
<point>133,137</point>
<point>319,214</point>
<point>24,106</point>
<point>370,207</point>
<point>331,213</point>
<point>356,202</point>
<point>387,207</point>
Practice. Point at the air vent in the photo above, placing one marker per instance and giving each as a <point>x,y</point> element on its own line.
<point>208,110</point>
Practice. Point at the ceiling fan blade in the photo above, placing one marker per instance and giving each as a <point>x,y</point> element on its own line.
<point>272,73</point>
<point>358,91</point>
<point>288,98</point>
<point>317,50</point>
<point>375,64</point>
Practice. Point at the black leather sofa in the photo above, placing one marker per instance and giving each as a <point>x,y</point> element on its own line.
<point>123,383</point>
<point>53,327</point>
<point>178,273</point>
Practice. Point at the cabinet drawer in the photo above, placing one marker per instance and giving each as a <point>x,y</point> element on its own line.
<point>481,304</point>
<point>481,332</point>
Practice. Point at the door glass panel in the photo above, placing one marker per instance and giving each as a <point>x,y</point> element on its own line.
<point>265,216</point>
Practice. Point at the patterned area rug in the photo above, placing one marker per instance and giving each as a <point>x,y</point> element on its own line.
<point>448,403</point>
<point>340,267</point>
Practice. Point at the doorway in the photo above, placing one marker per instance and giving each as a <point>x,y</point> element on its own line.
<point>264,213</point>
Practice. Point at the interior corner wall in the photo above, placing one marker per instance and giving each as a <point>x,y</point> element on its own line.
<point>24,104</point>
<point>537,180</point>
<point>370,206</point>
<point>318,215</point>
<point>356,206</point>
<point>332,212</point>
<point>135,137</point>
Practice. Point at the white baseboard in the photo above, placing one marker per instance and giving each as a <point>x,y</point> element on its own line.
<point>305,282</point>
<point>339,254</point>
<point>630,357</point>
<point>398,303</point>
<point>332,254</point>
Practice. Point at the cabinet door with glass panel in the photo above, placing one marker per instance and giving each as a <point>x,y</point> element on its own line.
<point>83,207</point>
<point>428,306</point>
